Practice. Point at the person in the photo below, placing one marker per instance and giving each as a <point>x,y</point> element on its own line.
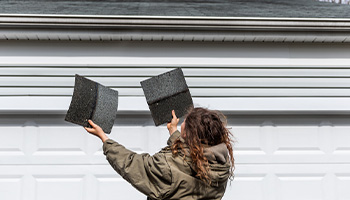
<point>196,163</point>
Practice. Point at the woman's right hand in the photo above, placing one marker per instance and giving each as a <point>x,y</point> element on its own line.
<point>172,126</point>
<point>97,131</point>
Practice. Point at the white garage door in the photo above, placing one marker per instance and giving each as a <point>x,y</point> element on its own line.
<point>277,157</point>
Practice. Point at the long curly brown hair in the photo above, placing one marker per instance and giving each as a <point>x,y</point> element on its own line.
<point>204,127</point>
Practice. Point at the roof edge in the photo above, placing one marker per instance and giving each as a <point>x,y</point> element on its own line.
<point>171,17</point>
<point>65,27</point>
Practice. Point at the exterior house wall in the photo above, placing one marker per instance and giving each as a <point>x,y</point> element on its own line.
<point>228,76</point>
<point>287,104</point>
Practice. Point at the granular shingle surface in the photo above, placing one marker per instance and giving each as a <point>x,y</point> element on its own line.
<point>93,101</point>
<point>213,8</point>
<point>167,92</point>
<point>161,111</point>
<point>106,108</point>
<point>164,85</point>
<point>83,101</point>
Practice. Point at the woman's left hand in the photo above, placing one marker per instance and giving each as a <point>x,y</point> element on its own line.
<point>97,131</point>
<point>172,126</point>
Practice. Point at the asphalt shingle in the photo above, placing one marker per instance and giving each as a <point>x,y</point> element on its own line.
<point>214,8</point>
<point>94,101</point>
<point>167,92</point>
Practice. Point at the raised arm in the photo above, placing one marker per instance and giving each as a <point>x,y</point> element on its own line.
<point>151,175</point>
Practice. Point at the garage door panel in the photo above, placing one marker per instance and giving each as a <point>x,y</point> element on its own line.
<point>11,144</point>
<point>11,139</point>
<point>289,182</point>
<point>57,144</point>
<point>249,144</point>
<point>11,187</point>
<point>113,187</point>
<point>297,141</point>
<point>341,140</point>
<point>342,183</point>
<point>60,140</point>
<point>42,144</point>
<point>38,143</point>
<point>252,182</point>
<point>85,182</point>
<point>291,144</point>
<point>300,186</point>
<point>263,181</point>
<point>59,187</point>
<point>133,138</point>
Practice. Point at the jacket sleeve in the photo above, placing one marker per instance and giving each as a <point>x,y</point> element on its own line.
<point>151,175</point>
<point>175,136</point>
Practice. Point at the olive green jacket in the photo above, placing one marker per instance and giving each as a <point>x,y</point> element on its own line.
<point>164,176</point>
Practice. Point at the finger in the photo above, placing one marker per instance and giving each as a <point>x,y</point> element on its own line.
<point>90,130</point>
<point>92,123</point>
<point>173,113</point>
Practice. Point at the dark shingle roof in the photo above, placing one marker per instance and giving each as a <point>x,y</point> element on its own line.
<point>214,8</point>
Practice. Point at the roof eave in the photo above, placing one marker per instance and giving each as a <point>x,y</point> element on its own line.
<point>161,28</point>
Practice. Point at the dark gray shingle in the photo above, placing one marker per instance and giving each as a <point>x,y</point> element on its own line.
<point>215,8</point>
<point>94,101</point>
<point>167,92</point>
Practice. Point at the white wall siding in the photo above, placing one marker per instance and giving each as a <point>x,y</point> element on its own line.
<point>228,71</point>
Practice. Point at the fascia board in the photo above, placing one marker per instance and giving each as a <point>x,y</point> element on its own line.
<point>78,27</point>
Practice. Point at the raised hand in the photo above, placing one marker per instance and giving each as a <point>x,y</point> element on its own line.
<point>172,126</point>
<point>96,130</point>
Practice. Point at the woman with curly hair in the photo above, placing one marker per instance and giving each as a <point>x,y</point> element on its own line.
<point>196,164</point>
